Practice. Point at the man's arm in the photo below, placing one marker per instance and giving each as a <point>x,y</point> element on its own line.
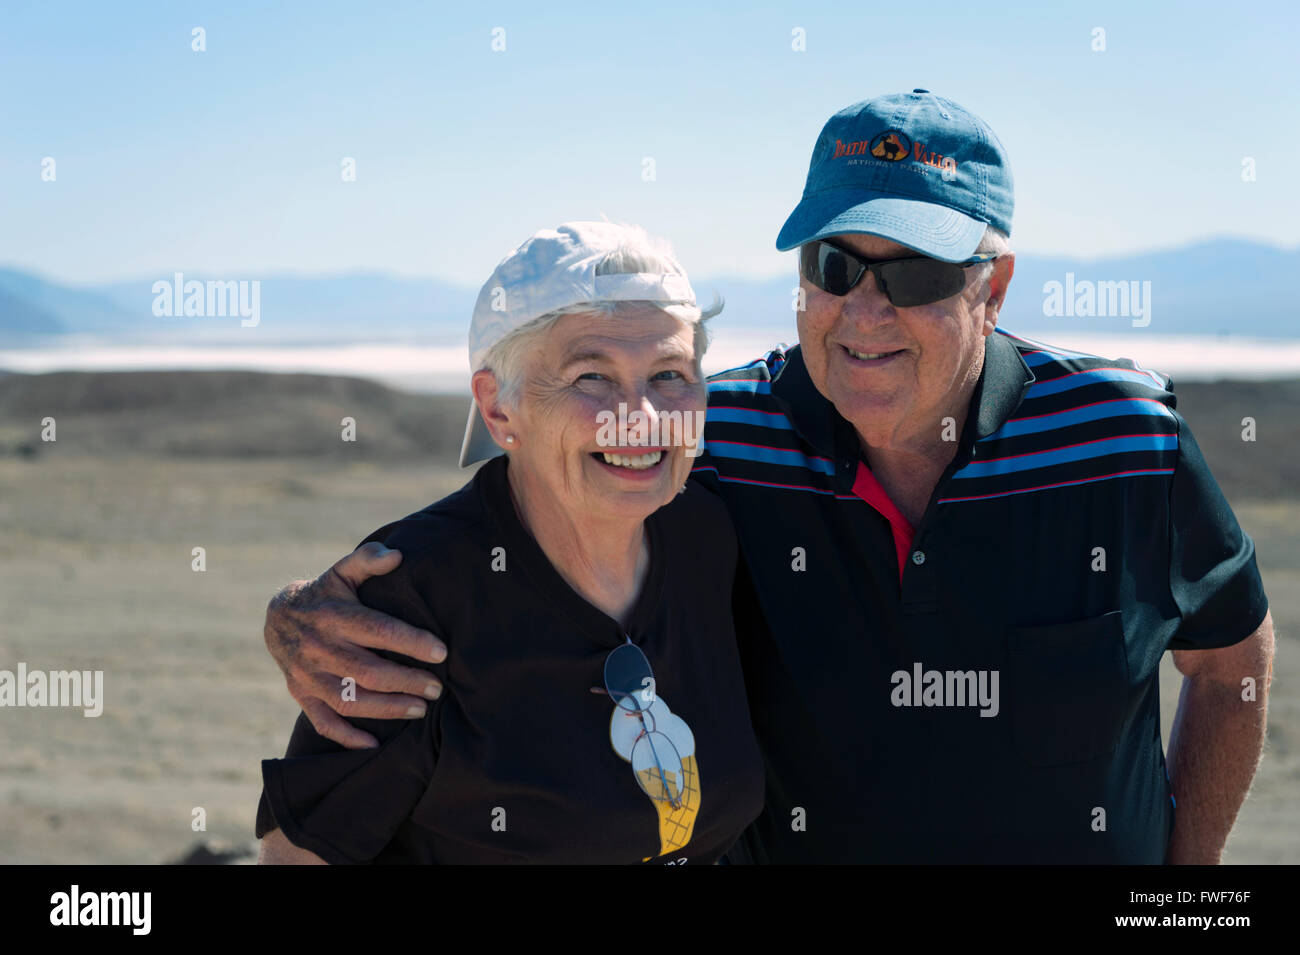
<point>1216,742</point>
<point>276,849</point>
<point>318,632</point>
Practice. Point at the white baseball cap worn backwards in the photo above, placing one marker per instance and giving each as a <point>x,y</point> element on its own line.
<point>554,269</point>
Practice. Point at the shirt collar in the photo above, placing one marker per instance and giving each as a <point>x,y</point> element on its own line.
<point>999,391</point>
<point>1001,387</point>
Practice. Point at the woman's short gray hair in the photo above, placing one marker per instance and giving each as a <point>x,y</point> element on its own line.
<point>638,252</point>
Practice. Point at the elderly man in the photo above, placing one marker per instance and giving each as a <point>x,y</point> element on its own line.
<point>965,553</point>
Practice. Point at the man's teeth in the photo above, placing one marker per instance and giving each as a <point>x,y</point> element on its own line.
<point>864,355</point>
<point>637,462</point>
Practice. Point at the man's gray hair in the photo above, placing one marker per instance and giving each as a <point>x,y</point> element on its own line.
<point>995,240</point>
<point>636,253</point>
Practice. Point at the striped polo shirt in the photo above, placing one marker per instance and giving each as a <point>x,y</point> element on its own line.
<point>981,687</point>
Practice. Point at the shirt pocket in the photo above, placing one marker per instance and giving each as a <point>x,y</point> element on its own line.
<point>1069,688</point>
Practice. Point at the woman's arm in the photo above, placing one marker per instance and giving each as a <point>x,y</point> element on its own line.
<point>277,850</point>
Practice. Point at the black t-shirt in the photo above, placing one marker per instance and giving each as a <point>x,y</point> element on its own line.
<point>516,762</point>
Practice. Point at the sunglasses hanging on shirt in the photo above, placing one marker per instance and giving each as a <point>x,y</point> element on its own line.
<point>655,760</point>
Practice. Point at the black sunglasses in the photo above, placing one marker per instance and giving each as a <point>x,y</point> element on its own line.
<point>912,280</point>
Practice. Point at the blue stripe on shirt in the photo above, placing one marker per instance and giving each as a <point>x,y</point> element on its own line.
<point>1108,409</point>
<point>1094,449</point>
<point>762,419</point>
<point>749,385</point>
<point>794,459</point>
<point>1082,378</point>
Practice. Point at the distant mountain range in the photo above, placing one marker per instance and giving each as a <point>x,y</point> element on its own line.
<point>241,414</point>
<point>1219,287</point>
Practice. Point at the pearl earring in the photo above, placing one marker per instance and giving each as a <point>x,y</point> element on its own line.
<point>510,439</point>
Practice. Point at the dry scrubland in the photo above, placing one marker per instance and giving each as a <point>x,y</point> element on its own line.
<point>95,574</point>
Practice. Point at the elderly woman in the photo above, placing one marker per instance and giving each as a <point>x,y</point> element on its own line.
<point>594,709</point>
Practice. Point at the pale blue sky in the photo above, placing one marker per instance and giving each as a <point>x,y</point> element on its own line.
<point>228,161</point>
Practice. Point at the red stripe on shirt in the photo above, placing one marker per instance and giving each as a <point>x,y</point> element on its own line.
<point>868,488</point>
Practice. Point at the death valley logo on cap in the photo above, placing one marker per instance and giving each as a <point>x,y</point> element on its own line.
<point>914,168</point>
<point>892,144</point>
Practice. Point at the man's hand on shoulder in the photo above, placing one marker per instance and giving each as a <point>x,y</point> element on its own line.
<point>318,632</point>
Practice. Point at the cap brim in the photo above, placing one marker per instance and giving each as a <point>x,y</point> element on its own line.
<point>478,444</point>
<point>933,230</point>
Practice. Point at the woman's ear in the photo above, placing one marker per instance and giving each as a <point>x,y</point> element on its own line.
<point>487,393</point>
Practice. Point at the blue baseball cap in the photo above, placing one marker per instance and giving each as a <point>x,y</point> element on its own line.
<point>914,168</point>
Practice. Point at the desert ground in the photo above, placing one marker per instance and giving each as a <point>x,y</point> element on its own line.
<point>97,531</point>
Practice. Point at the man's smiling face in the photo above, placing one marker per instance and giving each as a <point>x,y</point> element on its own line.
<point>929,356</point>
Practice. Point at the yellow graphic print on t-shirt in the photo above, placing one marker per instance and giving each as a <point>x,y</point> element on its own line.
<point>665,765</point>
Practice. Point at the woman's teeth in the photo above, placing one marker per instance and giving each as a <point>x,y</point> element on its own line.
<point>637,462</point>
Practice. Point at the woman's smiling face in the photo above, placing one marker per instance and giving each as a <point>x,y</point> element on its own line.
<point>574,382</point>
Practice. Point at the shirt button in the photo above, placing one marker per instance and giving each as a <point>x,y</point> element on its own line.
<point>918,557</point>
